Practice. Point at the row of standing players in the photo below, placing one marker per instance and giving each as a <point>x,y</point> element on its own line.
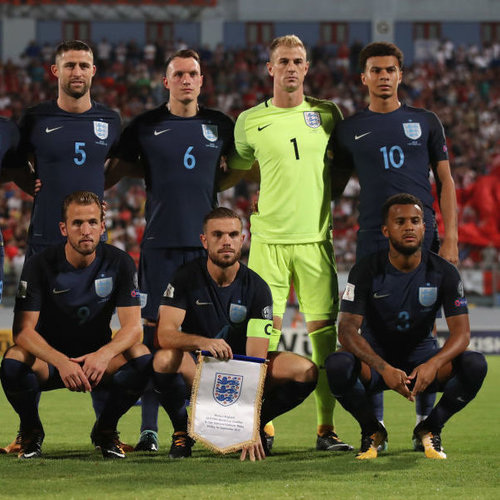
<point>177,148</point>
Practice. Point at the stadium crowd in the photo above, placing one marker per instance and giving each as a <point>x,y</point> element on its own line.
<point>460,84</point>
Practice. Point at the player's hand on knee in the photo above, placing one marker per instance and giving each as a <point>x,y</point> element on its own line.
<point>423,375</point>
<point>73,377</point>
<point>397,380</point>
<point>218,348</point>
<point>253,452</point>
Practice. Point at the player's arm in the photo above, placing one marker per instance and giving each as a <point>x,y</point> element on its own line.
<point>116,169</point>
<point>171,337</point>
<point>354,343</point>
<point>19,170</point>
<point>341,167</point>
<point>448,206</point>
<point>26,336</point>
<point>96,363</point>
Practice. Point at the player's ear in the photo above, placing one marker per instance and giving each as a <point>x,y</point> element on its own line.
<point>54,70</point>
<point>385,231</point>
<point>363,79</point>
<point>94,69</point>
<point>165,82</point>
<point>201,80</point>
<point>103,226</point>
<point>269,68</point>
<point>62,228</point>
<point>203,240</point>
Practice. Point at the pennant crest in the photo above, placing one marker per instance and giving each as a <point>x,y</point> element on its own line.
<point>427,295</point>
<point>312,119</point>
<point>227,388</point>
<point>103,287</point>
<point>101,130</point>
<point>412,130</point>
<point>210,132</point>
<point>237,313</point>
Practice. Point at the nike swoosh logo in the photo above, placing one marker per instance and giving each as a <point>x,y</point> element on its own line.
<point>159,132</point>
<point>356,137</point>
<point>54,291</point>
<point>377,296</point>
<point>199,303</point>
<point>262,128</point>
<point>29,455</point>
<point>49,130</point>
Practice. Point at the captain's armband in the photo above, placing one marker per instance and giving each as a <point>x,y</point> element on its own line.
<point>260,328</point>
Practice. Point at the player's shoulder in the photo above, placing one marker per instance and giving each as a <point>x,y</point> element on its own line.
<point>316,102</point>
<point>371,265</point>
<point>111,252</point>
<point>103,110</point>
<point>151,116</point>
<point>437,262</point>
<point>250,277</point>
<point>214,115</point>
<point>419,112</point>
<point>260,109</point>
<point>191,271</point>
<point>43,108</point>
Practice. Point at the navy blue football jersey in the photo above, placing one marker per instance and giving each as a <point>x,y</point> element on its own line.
<point>181,158</point>
<point>219,312</point>
<point>69,151</point>
<point>399,308</point>
<point>391,153</point>
<point>76,305</point>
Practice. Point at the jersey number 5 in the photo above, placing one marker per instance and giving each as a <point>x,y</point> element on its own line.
<point>80,154</point>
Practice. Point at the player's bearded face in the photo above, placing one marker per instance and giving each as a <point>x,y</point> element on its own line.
<point>223,241</point>
<point>405,228</point>
<point>75,70</point>
<point>83,228</point>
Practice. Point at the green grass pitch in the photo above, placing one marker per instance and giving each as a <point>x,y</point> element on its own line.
<point>71,469</point>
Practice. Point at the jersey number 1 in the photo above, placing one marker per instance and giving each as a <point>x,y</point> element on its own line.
<point>295,148</point>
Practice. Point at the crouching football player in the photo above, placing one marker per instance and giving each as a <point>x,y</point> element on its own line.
<point>394,297</point>
<point>225,308</point>
<point>62,335</point>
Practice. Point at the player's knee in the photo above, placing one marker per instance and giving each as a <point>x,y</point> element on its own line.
<point>472,366</point>
<point>17,376</point>
<point>137,350</point>
<point>19,354</point>
<point>167,360</point>
<point>341,369</point>
<point>134,375</point>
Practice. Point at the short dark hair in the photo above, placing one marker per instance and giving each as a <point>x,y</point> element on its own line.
<point>220,213</point>
<point>400,199</point>
<point>183,54</point>
<point>377,49</point>
<point>68,45</point>
<point>81,198</point>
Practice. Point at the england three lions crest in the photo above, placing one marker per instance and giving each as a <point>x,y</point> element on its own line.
<point>210,132</point>
<point>312,119</point>
<point>427,295</point>
<point>103,287</point>
<point>227,388</point>
<point>101,130</point>
<point>412,130</point>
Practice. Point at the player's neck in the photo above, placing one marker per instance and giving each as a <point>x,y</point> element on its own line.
<point>179,108</point>
<point>283,99</point>
<point>76,259</point>
<point>72,105</point>
<point>378,105</point>
<point>223,276</point>
<point>405,263</point>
